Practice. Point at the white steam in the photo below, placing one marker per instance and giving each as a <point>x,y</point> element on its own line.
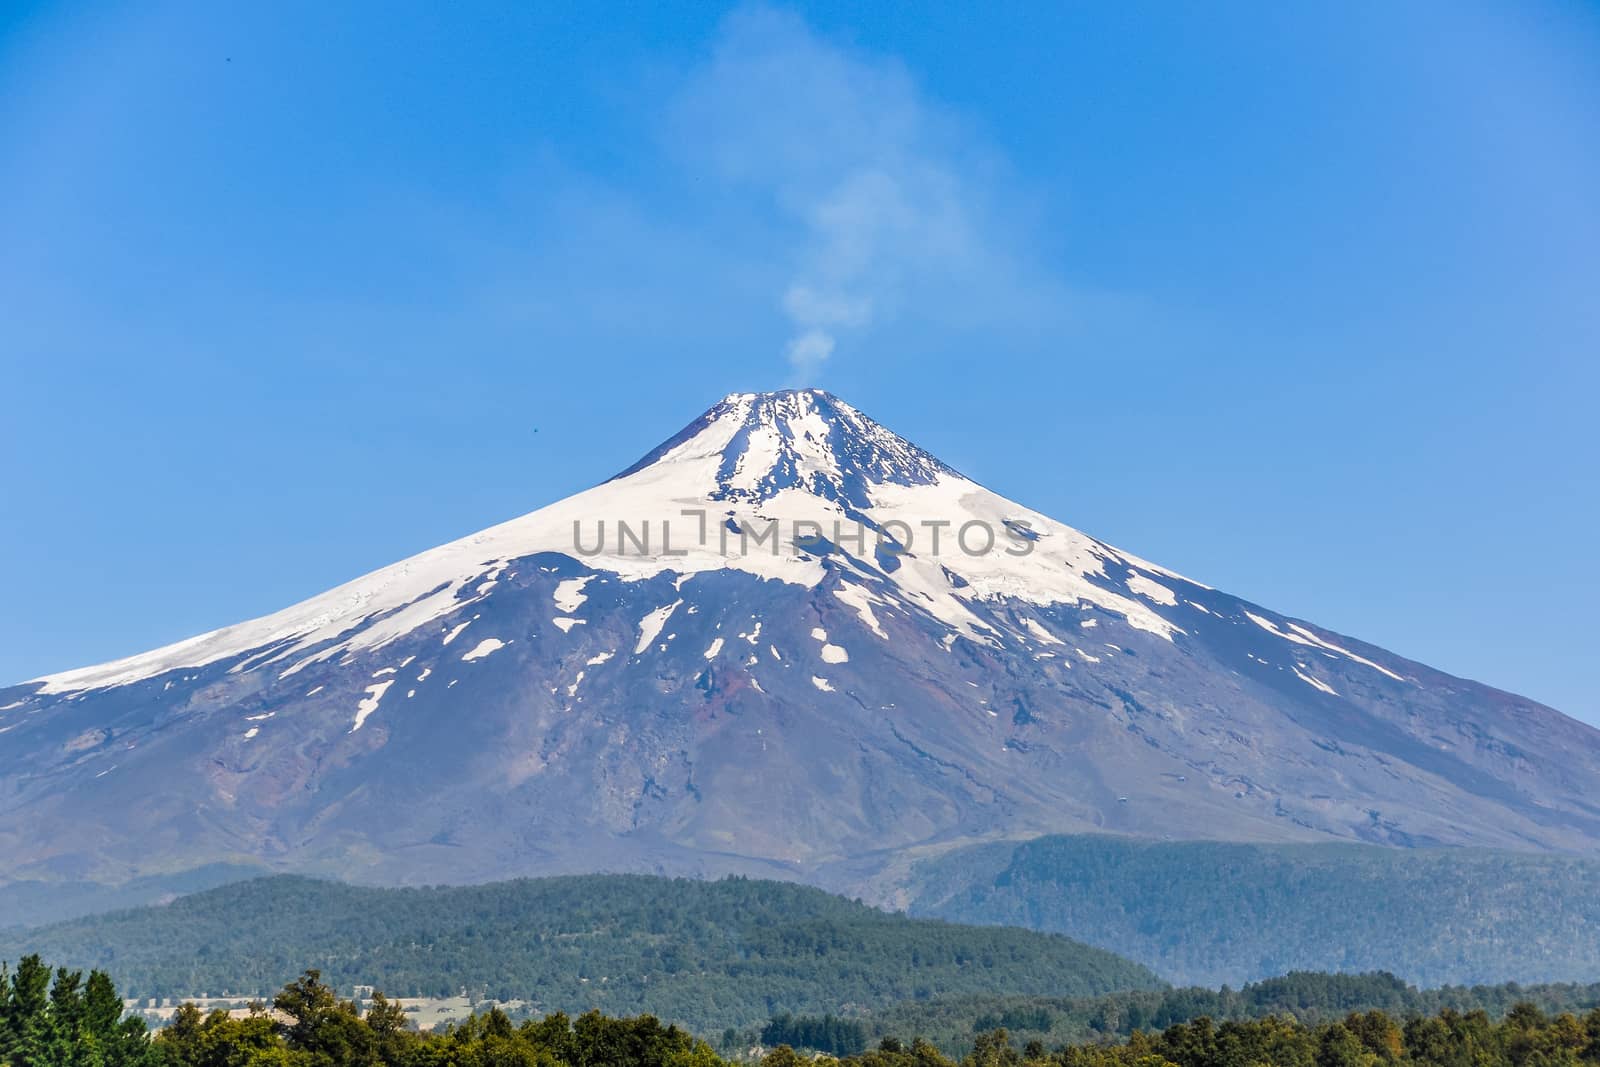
<point>880,193</point>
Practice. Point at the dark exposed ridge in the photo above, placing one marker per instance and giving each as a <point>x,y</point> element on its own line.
<point>860,451</point>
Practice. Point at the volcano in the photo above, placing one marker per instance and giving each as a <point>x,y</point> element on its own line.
<point>786,642</point>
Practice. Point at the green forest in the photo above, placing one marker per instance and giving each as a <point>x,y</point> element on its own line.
<point>953,1023</point>
<point>60,1019</point>
<point>707,955</point>
<point>1205,912</point>
<point>616,971</point>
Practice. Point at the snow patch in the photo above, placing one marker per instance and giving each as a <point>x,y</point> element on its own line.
<point>858,598</point>
<point>1041,633</point>
<point>651,625</point>
<point>569,595</point>
<point>1302,636</point>
<point>1152,590</point>
<point>484,648</point>
<point>1315,683</point>
<point>369,703</point>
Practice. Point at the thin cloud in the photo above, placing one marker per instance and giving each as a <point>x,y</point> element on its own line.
<point>883,196</point>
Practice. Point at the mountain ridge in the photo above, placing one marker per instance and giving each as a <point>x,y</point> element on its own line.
<point>1211,913</point>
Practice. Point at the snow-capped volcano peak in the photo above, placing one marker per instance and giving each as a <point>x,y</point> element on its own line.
<point>794,485</point>
<point>797,439</point>
<point>788,635</point>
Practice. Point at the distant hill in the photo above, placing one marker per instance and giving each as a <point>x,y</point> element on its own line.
<point>34,903</point>
<point>705,954</point>
<point>1210,913</point>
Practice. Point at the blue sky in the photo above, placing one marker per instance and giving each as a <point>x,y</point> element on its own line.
<point>1299,300</point>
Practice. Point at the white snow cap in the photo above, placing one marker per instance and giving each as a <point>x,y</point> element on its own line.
<point>760,463</point>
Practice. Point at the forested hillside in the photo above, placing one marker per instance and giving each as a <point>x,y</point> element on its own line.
<point>705,954</point>
<point>1209,913</point>
<point>954,1023</point>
